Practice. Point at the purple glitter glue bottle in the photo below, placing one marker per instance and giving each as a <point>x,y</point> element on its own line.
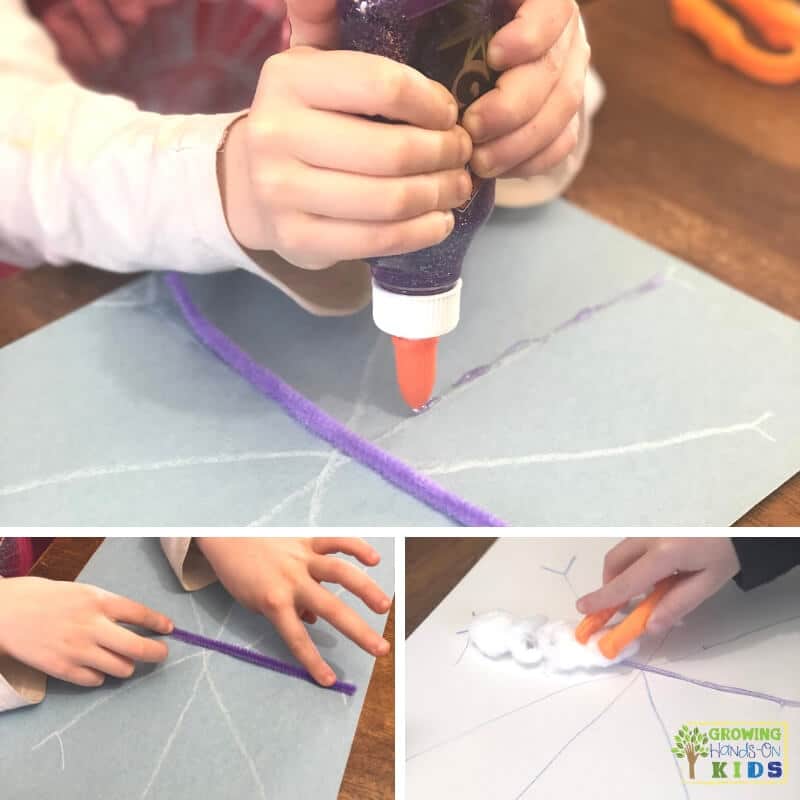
<point>416,297</point>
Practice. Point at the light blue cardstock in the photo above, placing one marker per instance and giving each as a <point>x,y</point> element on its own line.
<point>201,725</point>
<point>626,388</point>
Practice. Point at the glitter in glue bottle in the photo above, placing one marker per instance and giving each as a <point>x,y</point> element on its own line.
<point>416,297</point>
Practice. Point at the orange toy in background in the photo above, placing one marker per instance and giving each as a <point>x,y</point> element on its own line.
<point>777,21</point>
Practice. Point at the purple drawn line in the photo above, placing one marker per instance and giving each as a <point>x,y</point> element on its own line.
<point>463,652</point>
<point>324,426</point>
<point>583,315</point>
<point>585,728</point>
<point>505,714</point>
<point>666,735</point>
<point>747,633</point>
<point>259,659</point>
<point>717,687</point>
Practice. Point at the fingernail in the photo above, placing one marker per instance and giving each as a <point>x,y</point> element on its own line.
<point>465,186</point>
<point>383,647</point>
<point>453,109</point>
<point>495,55</point>
<point>169,626</point>
<point>386,603</point>
<point>474,125</point>
<point>466,147</point>
<point>449,223</point>
<point>328,677</point>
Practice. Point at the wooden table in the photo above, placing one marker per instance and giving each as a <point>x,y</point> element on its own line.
<point>433,567</point>
<point>370,769</point>
<point>687,154</point>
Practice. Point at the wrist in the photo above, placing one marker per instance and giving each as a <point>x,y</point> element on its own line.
<point>233,175</point>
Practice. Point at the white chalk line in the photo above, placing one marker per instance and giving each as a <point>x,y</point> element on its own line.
<point>330,468</point>
<point>585,455</point>
<point>129,684</point>
<point>235,732</point>
<point>173,735</point>
<point>266,518</point>
<point>155,466</point>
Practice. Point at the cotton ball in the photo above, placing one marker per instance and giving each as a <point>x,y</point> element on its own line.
<point>524,640</point>
<point>491,633</point>
<point>564,653</point>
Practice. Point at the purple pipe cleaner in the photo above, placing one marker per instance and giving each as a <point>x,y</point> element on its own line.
<point>259,659</point>
<point>324,426</point>
<point>717,687</point>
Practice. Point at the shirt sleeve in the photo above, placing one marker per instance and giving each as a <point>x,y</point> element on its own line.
<point>20,685</point>
<point>763,559</point>
<point>90,178</point>
<point>189,565</point>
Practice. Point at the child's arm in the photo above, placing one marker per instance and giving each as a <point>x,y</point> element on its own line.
<point>90,178</point>
<point>762,559</point>
<point>20,685</point>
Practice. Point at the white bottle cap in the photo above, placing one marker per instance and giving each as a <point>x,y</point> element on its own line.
<point>416,316</point>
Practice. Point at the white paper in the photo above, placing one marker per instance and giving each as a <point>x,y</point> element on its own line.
<point>478,728</point>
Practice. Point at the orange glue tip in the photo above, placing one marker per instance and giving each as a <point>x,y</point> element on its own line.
<point>415,364</point>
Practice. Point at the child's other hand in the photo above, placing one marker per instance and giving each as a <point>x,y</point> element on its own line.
<point>280,578</point>
<point>71,631</point>
<point>308,176</point>
<point>635,565</point>
<point>530,122</point>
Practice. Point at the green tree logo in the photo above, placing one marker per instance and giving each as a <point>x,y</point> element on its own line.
<point>691,745</point>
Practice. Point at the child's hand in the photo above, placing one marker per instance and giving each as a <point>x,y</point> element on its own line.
<point>70,631</point>
<point>306,175</point>
<point>635,565</point>
<point>530,122</point>
<point>280,578</point>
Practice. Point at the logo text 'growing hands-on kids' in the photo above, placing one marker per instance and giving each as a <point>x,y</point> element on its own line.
<point>746,753</point>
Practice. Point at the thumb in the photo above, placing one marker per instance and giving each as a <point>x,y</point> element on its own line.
<point>314,23</point>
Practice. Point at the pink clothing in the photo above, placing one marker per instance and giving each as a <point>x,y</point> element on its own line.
<point>19,554</point>
<point>171,56</point>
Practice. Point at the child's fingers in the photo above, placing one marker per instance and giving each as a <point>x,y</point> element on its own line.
<point>122,609</point>
<point>343,618</point>
<point>519,94</point>
<point>344,195</point>
<point>622,555</point>
<point>109,663</point>
<point>635,580</point>
<point>684,598</point>
<point>531,34</point>
<point>130,645</point>
<point>303,649</point>
<point>333,570</point>
<point>373,148</point>
<point>83,676</point>
<point>564,101</point>
<point>367,85</point>
<point>308,241</point>
<point>551,156</point>
<point>351,546</point>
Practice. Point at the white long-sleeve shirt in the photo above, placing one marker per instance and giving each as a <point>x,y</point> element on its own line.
<point>91,178</point>
<point>21,685</point>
